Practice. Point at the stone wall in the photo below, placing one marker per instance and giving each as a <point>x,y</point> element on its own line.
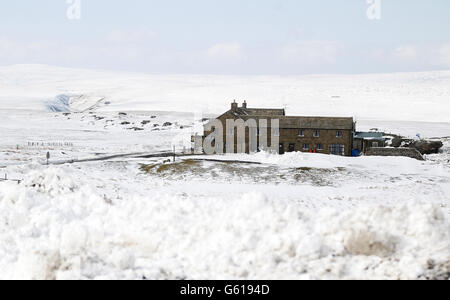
<point>326,139</point>
<point>408,152</point>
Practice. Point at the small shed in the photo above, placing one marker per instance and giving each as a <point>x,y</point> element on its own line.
<point>363,141</point>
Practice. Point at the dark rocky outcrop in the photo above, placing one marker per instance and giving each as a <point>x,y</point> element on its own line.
<point>427,147</point>
<point>396,142</point>
<point>399,141</point>
<point>423,146</point>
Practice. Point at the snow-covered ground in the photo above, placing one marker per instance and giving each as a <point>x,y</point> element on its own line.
<point>401,96</point>
<point>273,217</point>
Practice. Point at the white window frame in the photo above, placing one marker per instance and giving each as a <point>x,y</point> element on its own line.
<point>340,147</point>
<point>316,133</point>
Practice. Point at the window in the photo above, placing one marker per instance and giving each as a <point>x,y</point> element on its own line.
<point>305,147</point>
<point>337,149</point>
<point>301,133</point>
<point>231,131</point>
<point>319,147</point>
<point>339,134</point>
<point>316,133</point>
<point>375,144</point>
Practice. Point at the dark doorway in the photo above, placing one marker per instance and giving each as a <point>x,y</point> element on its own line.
<point>291,147</point>
<point>281,149</point>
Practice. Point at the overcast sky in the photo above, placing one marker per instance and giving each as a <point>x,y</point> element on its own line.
<point>228,36</point>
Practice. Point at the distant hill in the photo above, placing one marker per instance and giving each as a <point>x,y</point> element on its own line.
<point>423,96</point>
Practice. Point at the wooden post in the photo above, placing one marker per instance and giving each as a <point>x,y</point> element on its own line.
<point>173,153</point>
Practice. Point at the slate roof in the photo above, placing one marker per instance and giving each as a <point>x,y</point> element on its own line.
<point>369,135</point>
<point>294,122</point>
<point>260,112</point>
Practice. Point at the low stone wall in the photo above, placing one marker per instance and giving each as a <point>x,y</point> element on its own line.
<point>408,152</point>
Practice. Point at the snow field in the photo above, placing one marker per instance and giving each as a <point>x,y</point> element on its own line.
<point>59,224</point>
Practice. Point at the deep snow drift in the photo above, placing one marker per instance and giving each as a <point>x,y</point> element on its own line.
<point>92,222</point>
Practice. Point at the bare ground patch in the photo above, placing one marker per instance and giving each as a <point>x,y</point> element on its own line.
<point>245,172</point>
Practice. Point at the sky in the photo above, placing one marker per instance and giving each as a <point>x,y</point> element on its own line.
<point>257,37</point>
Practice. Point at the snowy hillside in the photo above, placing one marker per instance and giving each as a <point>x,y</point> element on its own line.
<point>402,97</point>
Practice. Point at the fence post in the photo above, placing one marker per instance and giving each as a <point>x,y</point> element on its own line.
<point>173,153</point>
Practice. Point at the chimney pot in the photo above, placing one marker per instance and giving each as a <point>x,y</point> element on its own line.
<point>234,106</point>
<point>244,105</point>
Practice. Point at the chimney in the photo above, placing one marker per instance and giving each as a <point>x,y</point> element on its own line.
<point>234,106</point>
<point>244,105</point>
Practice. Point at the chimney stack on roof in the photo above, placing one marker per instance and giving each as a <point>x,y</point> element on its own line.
<point>234,106</point>
<point>244,105</point>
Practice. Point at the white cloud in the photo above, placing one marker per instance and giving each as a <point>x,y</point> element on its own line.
<point>63,53</point>
<point>406,53</point>
<point>377,53</point>
<point>226,51</point>
<point>223,58</point>
<point>311,52</point>
<point>444,55</point>
<point>297,33</point>
<point>130,36</point>
<point>422,56</point>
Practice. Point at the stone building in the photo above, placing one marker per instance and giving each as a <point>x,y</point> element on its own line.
<point>326,135</point>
